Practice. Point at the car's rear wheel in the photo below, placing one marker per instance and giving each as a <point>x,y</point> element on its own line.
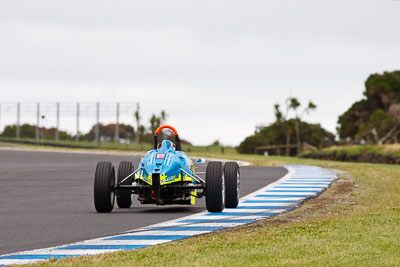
<point>232,184</point>
<point>124,196</point>
<point>214,187</point>
<point>104,181</point>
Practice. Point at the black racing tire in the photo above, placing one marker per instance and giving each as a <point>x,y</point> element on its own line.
<point>104,180</point>
<point>214,187</point>
<point>232,184</point>
<point>124,196</point>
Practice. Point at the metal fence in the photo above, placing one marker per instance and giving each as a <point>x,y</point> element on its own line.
<point>71,117</point>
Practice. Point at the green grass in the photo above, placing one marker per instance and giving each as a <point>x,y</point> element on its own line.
<point>352,150</point>
<point>388,149</point>
<point>356,222</point>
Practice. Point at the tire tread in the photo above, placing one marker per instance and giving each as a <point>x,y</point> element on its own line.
<point>102,188</point>
<point>214,197</point>
<point>231,193</point>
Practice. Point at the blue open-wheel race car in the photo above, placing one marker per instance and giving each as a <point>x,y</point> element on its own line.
<point>166,176</point>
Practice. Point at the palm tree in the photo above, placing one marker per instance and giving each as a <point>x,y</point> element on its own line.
<point>294,104</point>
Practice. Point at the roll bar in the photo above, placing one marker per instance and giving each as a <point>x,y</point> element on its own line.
<point>177,140</point>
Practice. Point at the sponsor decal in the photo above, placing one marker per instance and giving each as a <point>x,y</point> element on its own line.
<point>160,156</point>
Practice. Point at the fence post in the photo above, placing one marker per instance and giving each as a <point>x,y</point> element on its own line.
<point>97,122</point>
<point>77,121</point>
<point>37,121</point>
<point>18,120</point>
<point>58,121</point>
<point>116,138</point>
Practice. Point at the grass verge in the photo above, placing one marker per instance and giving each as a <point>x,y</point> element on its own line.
<point>356,222</point>
<point>389,153</point>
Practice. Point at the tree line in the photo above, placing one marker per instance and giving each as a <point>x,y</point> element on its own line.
<point>127,133</point>
<point>375,119</point>
<point>288,129</point>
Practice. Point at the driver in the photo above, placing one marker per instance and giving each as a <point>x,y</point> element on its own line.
<point>166,146</point>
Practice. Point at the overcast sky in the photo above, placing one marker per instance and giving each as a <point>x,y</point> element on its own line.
<point>216,67</point>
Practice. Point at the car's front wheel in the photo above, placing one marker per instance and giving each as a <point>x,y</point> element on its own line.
<point>214,187</point>
<point>104,181</point>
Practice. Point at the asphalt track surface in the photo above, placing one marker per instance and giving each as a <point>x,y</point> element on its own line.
<point>46,199</point>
